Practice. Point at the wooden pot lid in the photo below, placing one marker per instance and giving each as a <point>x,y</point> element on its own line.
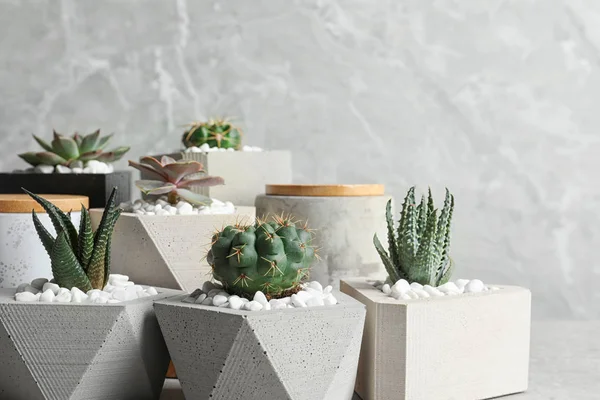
<point>22,203</point>
<point>325,190</point>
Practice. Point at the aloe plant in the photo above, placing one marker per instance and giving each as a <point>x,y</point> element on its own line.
<point>78,258</point>
<point>174,178</point>
<point>419,247</point>
<point>64,150</point>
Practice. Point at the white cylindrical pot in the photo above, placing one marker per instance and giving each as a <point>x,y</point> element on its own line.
<point>344,219</point>
<point>22,256</point>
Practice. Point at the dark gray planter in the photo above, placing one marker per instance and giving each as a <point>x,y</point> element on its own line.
<point>96,187</point>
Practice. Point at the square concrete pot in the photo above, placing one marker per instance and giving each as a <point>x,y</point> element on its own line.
<point>166,250</point>
<point>245,172</point>
<point>97,187</point>
<point>70,351</point>
<point>469,346</point>
<point>296,354</point>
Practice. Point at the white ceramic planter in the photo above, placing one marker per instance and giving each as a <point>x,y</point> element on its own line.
<point>166,251</point>
<point>245,172</point>
<point>296,354</point>
<point>469,346</point>
<point>22,256</point>
<point>70,351</point>
<point>344,226</point>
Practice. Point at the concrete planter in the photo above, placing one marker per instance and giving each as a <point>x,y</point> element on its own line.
<point>22,256</point>
<point>344,223</point>
<point>97,187</point>
<point>297,354</point>
<point>469,346</point>
<point>81,351</point>
<point>245,172</point>
<point>166,251</point>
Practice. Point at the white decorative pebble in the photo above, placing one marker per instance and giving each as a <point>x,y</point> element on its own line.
<point>329,300</point>
<point>474,286</point>
<point>152,291</point>
<point>412,295</point>
<point>219,300</point>
<point>26,296</point>
<point>327,289</point>
<point>449,287</point>
<point>51,286</point>
<point>315,301</point>
<point>401,286</point>
<point>432,291</point>
<point>63,297</point>
<point>297,301</point>
<point>386,289</point>
<point>416,285</point>
<point>315,285</point>
<point>47,296</point>
<point>235,302</point>
<point>254,306</point>
<point>260,297</point>
<point>461,283</point>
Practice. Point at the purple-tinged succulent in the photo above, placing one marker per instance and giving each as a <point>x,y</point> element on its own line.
<point>174,179</point>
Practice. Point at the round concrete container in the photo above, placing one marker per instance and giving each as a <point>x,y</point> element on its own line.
<point>22,256</point>
<point>344,217</point>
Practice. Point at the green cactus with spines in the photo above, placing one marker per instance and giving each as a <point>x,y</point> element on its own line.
<point>419,247</point>
<point>78,259</point>
<point>216,133</point>
<point>273,257</point>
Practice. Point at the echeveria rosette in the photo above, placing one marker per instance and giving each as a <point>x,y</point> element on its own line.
<point>78,259</point>
<point>216,133</point>
<point>174,178</point>
<point>274,257</point>
<point>64,150</point>
<point>419,248</point>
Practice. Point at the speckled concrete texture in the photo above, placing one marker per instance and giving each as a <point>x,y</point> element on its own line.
<point>296,354</point>
<point>73,351</point>
<point>344,228</point>
<point>245,173</point>
<point>166,251</point>
<point>469,346</point>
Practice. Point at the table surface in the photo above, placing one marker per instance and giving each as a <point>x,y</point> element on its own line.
<point>565,363</point>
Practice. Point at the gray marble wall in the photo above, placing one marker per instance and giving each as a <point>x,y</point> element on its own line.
<point>496,99</point>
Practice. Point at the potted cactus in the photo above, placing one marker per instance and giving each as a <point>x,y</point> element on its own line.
<point>156,240</point>
<point>260,330</point>
<point>217,144</point>
<point>78,164</point>
<point>427,337</point>
<point>65,338</point>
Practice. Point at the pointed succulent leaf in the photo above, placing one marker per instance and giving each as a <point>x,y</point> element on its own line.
<point>425,265</point>
<point>150,170</point>
<point>193,198</point>
<point>97,264</point>
<point>78,139</point>
<point>43,143</point>
<point>44,235</point>
<point>65,147</point>
<point>60,220</point>
<point>30,158</point>
<point>443,227</point>
<point>90,142</point>
<point>104,141</point>
<point>153,162</point>
<point>392,241</point>
<point>44,157</point>
<point>85,246</point>
<point>445,273</point>
<point>113,155</point>
<point>393,272</point>
<point>115,217</point>
<point>65,267</point>
<point>90,155</point>
<point>178,170</point>
<point>430,205</point>
<point>204,181</point>
<point>421,217</point>
<point>408,236</point>
<point>155,187</point>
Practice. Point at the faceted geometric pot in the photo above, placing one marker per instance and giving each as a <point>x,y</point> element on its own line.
<point>296,354</point>
<point>97,187</point>
<point>245,172</point>
<point>72,351</point>
<point>22,255</point>
<point>467,346</point>
<point>344,218</point>
<point>166,250</point>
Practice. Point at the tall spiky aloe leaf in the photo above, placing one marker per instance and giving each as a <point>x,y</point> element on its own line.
<point>78,260</point>
<point>420,250</point>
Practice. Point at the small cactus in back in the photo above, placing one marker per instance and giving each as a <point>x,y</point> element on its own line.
<point>174,178</point>
<point>78,259</point>
<point>64,150</point>
<point>419,247</point>
<point>273,257</point>
<point>216,133</point>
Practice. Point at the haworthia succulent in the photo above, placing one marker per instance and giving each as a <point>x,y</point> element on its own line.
<point>419,247</point>
<point>78,259</point>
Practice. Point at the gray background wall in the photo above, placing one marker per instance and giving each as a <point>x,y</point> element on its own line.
<point>496,99</point>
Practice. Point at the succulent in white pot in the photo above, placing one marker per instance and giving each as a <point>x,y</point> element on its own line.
<point>438,338</point>
<point>270,333</point>
<point>65,338</point>
<point>217,144</point>
<point>156,240</point>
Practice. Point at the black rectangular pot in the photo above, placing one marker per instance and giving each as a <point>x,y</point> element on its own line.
<point>96,187</point>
